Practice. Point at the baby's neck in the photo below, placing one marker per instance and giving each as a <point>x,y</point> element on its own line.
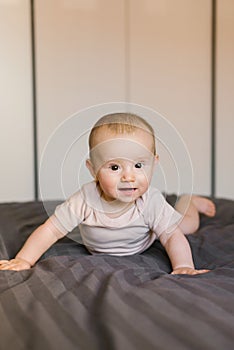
<point>116,208</point>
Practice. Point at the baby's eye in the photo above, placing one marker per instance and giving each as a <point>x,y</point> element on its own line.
<point>139,165</point>
<point>114,167</point>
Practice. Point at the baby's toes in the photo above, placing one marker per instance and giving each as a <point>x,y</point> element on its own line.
<point>211,210</point>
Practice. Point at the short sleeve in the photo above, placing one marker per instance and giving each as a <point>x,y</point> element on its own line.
<point>69,214</point>
<point>160,215</point>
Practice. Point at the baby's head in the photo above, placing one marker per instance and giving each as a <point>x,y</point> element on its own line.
<point>119,124</point>
<point>122,155</point>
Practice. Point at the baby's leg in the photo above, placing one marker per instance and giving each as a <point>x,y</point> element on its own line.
<point>190,207</point>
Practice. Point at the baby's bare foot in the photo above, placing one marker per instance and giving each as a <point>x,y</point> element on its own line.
<point>204,205</point>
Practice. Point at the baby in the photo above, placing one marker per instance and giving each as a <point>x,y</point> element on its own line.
<point>119,213</point>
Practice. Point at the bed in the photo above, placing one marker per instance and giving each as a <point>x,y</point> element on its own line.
<point>72,300</point>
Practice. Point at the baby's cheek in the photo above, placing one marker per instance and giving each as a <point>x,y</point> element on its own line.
<point>146,173</point>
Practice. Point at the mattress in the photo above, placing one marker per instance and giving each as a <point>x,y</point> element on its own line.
<point>73,300</point>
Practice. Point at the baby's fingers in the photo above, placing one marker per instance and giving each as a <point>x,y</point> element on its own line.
<point>14,264</point>
<point>3,261</point>
<point>197,272</point>
<point>201,271</point>
<point>188,271</point>
<point>5,265</point>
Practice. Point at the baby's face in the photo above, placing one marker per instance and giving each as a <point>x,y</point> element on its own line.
<point>123,164</point>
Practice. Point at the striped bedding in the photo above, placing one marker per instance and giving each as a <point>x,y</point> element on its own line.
<point>72,300</point>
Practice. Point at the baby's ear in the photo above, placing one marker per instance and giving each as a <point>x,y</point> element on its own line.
<point>91,168</point>
<point>156,159</point>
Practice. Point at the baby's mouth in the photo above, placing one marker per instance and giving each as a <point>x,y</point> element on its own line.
<point>127,189</point>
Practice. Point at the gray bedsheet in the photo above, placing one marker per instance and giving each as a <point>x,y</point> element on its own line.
<point>72,300</point>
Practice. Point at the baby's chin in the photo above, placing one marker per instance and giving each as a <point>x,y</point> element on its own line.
<point>119,200</point>
<point>126,199</point>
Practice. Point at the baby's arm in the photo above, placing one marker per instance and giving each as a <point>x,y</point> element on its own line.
<point>36,245</point>
<point>179,252</point>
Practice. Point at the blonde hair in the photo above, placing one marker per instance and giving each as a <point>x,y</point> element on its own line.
<point>120,123</point>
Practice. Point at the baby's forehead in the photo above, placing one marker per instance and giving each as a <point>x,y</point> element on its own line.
<point>137,134</point>
<point>119,148</point>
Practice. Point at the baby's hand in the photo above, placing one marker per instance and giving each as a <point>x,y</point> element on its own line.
<point>16,264</point>
<point>187,271</point>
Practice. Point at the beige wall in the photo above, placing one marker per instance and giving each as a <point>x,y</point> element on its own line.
<point>151,53</point>
<point>155,53</point>
<point>170,72</point>
<point>16,138</point>
<point>225,99</point>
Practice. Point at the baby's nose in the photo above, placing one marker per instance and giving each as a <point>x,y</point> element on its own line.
<point>128,175</point>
